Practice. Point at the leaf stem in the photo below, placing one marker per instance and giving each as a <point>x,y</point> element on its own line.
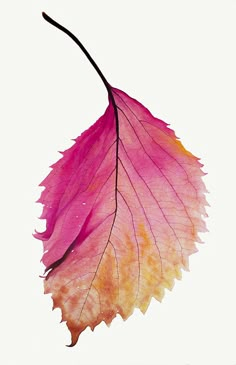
<point>84,50</point>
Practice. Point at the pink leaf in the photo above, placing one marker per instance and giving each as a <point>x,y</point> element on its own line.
<point>124,206</point>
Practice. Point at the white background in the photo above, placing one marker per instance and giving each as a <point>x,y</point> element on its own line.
<point>178,59</point>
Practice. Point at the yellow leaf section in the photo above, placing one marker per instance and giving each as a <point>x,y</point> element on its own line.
<point>183,149</point>
<point>106,284</point>
<point>156,273</point>
<point>101,297</point>
<point>128,270</point>
<point>150,270</point>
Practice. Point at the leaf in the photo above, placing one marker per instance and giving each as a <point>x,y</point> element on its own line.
<point>123,207</point>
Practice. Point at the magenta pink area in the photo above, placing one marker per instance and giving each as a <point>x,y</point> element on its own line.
<point>73,185</point>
